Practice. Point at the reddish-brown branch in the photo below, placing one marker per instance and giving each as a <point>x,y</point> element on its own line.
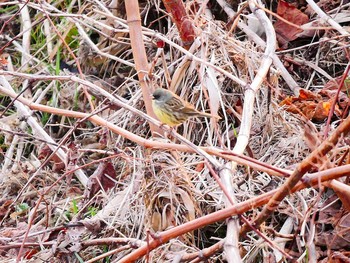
<point>140,57</point>
<point>184,25</point>
<point>162,237</point>
<point>302,169</point>
<point>331,112</point>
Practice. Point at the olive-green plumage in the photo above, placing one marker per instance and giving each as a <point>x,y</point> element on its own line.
<point>172,110</point>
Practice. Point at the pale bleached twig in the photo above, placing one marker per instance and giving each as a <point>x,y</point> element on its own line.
<point>327,18</point>
<point>252,35</point>
<point>39,131</point>
<point>248,108</point>
<point>249,95</point>
<point>48,34</point>
<point>26,28</point>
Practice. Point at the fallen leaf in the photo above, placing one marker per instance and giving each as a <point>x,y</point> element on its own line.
<point>286,32</point>
<point>103,177</point>
<point>312,105</point>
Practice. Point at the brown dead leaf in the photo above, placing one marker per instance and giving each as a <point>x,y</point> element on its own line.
<point>16,234</point>
<point>343,192</point>
<point>339,257</point>
<point>72,155</point>
<point>45,152</point>
<point>336,257</point>
<point>307,107</point>
<point>311,105</point>
<point>103,177</point>
<point>3,61</point>
<point>305,94</point>
<point>333,84</point>
<point>343,227</point>
<point>156,221</point>
<point>321,111</point>
<point>343,99</point>
<point>74,235</point>
<point>333,225</point>
<point>311,138</point>
<point>285,32</point>
<point>291,107</point>
<point>5,205</point>
<point>93,225</point>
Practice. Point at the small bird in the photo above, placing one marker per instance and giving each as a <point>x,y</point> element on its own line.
<point>172,110</point>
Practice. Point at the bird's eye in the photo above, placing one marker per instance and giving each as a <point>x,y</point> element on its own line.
<point>156,96</point>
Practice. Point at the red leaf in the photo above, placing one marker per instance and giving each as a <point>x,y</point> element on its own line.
<point>103,176</point>
<point>286,32</point>
<point>160,44</point>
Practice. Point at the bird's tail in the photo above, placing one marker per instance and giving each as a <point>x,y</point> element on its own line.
<point>204,114</point>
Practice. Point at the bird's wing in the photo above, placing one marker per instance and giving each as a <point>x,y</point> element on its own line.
<point>176,103</point>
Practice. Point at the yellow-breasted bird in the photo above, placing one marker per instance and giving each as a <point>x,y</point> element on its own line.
<point>172,110</point>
